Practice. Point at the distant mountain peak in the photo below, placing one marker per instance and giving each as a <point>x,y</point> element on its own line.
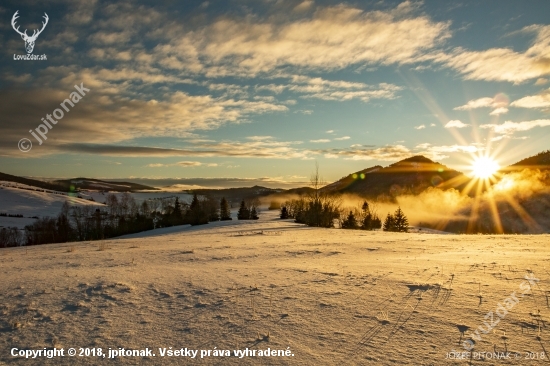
<point>416,159</point>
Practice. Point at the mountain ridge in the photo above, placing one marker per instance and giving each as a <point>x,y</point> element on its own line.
<point>408,176</point>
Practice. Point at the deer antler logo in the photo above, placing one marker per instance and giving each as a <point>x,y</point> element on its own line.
<point>29,41</point>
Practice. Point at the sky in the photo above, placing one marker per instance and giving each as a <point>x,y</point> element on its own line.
<point>259,92</point>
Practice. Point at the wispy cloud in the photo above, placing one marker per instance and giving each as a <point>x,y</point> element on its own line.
<point>256,148</point>
<point>510,127</point>
<point>421,127</point>
<point>541,101</point>
<point>333,90</point>
<point>504,64</point>
<point>499,111</point>
<point>386,153</point>
<point>186,164</point>
<point>456,124</point>
<point>449,148</point>
<point>183,164</point>
<point>126,119</point>
<point>498,104</point>
<point>332,38</point>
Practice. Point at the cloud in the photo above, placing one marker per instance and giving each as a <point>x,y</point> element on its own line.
<point>303,6</point>
<point>421,127</point>
<point>124,118</point>
<point>186,164</point>
<point>397,152</point>
<point>541,100</point>
<point>331,38</point>
<point>541,81</point>
<point>499,111</point>
<point>498,104</point>
<point>503,64</point>
<point>320,141</point>
<point>509,127</point>
<point>342,138</point>
<point>330,131</point>
<point>477,103</point>
<point>449,148</point>
<point>456,124</point>
<point>259,148</point>
<point>333,90</point>
<point>259,138</point>
<point>386,153</point>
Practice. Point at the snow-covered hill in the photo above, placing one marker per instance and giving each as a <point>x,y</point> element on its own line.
<point>20,199</point>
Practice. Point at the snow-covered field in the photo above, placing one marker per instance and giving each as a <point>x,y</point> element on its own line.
<point>29,201</point>
<point>20,199</point>
<point>330,296</point>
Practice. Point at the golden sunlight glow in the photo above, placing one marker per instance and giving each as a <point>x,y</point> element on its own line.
<point>507,183</point>
<point>484,167</point>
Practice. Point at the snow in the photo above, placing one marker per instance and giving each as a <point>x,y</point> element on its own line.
<point>35,201</point>
<point>334,297</point>
<point>29,201</point>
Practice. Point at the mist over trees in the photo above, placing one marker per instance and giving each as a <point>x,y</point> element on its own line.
<point>317,208</point>
<point>322,208</point>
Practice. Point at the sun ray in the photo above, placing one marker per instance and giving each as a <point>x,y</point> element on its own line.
<point>494,212</point>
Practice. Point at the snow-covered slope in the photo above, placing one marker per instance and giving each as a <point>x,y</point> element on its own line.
<point>330,296</point>
<point>19,199</point>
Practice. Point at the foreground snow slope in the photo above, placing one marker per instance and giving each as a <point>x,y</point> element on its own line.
<point>334,297</point>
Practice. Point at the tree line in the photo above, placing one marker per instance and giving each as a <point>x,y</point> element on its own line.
<point>121,215</point>
<point>320,208</point>
<point>327,213</point>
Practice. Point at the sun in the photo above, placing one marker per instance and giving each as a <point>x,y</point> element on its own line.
<point>484,167</point>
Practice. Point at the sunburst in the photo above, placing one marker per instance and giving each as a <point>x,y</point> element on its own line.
<point>484,167</point>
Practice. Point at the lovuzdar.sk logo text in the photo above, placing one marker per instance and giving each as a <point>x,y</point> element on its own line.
<point>29,40</point>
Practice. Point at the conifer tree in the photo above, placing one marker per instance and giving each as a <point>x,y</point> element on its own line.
<point>176,213</point>
<point>401,223</point>
<point>371,220</point>
<point>389,223</point>
<point>350,222</point>
<point>253,213</point>
<point>375,223</point>
<point>196,214</point>
<point>225,213</point>
<point>367,221</point>
<point>244,213</point>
